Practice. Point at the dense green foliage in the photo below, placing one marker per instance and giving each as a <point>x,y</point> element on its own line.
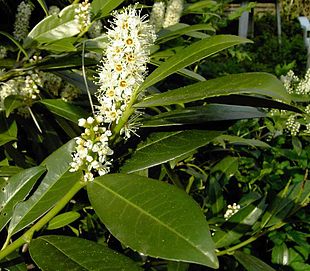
<point>197,174</point>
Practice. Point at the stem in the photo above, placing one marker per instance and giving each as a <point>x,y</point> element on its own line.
<point>27,236</point>
<point>250,240</point>
<point>173,176</point>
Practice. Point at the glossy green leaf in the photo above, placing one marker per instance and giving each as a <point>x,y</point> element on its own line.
<point>54,27</point>
<point>153,218</point>
<point>215,195</point>
<point>286,202</point>
<point>244,83</point>
<point>239,224</point>
<point>163,147</point>
<point>17,189</point>
<point>102,8</point>
<point>13,102</point>
<point>251,263</point>
<point>65,253</point>
<point>13,262</point>
<point>53,187</point>
<point>227,166</point>
<point>201,114</point>
<point>64,109</point>
<point>62,220</point>
<point>169,33</point>
<point>8,171</point>
<point>194,52</point>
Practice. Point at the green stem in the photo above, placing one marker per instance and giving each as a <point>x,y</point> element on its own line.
<point>27,236</point>
<point>250,240</point>
<point>173,176</point>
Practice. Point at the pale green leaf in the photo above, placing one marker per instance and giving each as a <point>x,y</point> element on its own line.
<point>102,8</point>
<point>153,218</point>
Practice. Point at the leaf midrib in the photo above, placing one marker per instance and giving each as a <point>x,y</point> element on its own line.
<point>152,217</point>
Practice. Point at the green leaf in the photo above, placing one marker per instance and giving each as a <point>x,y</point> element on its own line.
<point>280,254</point>
<point>194,52</point>
<point>237,140</point>
<point>8,171</point>
<point>13,102</point>
<point>153,218</point>
<point>54,27</point>
<point>163,147</point>
<point>170,33</point>
<point>13,262</point>
<point>238,224</point>
<point>177,266</point>
<point>244,83</point>
<point>102,8</point>
<point>201,114</point>
<point>286,202</point>
<point>227,166</point>
<point>62,220</point>
<point>16,190</point>
<point>60,46</point>
<point>77,254</point>
<point>251,263</point>
<point>53,187</point>
<point>15,42</point>
<point>9,135</point>
<point>64,109</point>
<point>44,6</point>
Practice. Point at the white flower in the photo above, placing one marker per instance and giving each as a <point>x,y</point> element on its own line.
<point>3,52</point>
<point>158,15</point>
<point>173,12</point>
<point>292,125</point>
<point>124,65</point>
<point>231,210</point>
<point>82,15</point>
<point>53,10</point>
<point>21,25</point>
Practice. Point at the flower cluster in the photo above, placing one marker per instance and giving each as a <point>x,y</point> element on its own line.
<point>53,10</point>
<point>92,149</point>
<point>124,64</point>
<point>157,16</point>
<point>120,74</point>
<point>82,15</point>
<point>173,12</point>
<point>21,25</point>
<point>292,125</point>
<point>231,210</point>
<point>294,85</point>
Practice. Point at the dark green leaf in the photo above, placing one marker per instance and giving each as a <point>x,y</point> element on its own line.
<point>177,266</point>
<point>164,147</point>
<point>201,114</point>
<point>53,187</point>
<point>251,263</point>
<point>65,253</point>
<point>64,109</point>
<point>280,254</point>
<point>62,220</point>
<point>194,52</point>
<point>16,190</point>
<point>8,171</point>
<point>153,218</point>
<point>9,135</point>
<point>249,83</point>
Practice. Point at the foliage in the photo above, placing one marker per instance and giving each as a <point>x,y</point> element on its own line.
<point>141,181</point>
